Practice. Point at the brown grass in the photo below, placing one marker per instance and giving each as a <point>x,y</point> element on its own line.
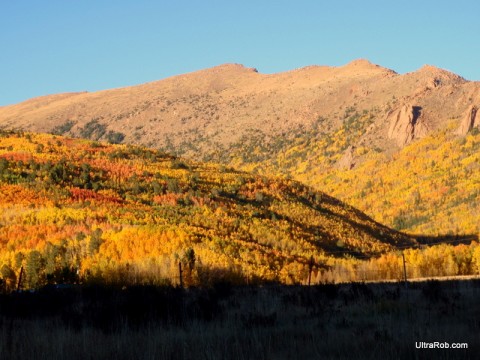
<point>372,321</point>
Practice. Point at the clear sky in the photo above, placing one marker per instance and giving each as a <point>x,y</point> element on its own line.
<point>53,46</point>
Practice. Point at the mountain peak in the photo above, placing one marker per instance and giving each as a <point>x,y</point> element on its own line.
<point>428,67</point>
<point>223,104</point>
<point>233,67</point>
<point>365,65</point>
<point>361,63</point>
<point>438,72</point>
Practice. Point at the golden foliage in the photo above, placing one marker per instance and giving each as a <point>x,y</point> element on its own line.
<point>83,211</point>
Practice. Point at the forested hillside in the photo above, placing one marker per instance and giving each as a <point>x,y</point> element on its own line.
<point>75,210</point>
<point>359,132</point>
<point>101,211</point>
<point>431,186</point>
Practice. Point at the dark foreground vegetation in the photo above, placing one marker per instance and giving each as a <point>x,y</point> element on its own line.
<point>362,321</point>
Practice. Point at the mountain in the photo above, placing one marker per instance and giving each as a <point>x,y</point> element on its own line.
<point>347,130</point>
<point>219,106</point>
<point>118,212</point>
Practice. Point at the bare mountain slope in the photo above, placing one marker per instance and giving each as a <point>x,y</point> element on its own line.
<point>207,111</point>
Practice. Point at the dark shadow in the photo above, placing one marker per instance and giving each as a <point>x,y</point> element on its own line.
<point>416,112</point>
<point>409,240</point>
<point>427,240</point>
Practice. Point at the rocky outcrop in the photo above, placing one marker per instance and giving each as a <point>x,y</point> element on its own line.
<point>347,161</point>
<point>406,125</point>
<point>470,120</point>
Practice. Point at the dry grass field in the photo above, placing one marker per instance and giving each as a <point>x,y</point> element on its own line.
<point>362,321</point>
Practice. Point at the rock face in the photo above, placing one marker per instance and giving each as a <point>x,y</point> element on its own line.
<point>406,124</point>
<point>347,161</point>
<point>470,120</point>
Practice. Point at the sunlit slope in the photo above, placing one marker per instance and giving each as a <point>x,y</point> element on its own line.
<point>77,204</point>
<point>202,115</point>
<point>359,132</point>
<point>430,187</point>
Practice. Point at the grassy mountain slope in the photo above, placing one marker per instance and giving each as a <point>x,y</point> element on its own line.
<point>118,210</point>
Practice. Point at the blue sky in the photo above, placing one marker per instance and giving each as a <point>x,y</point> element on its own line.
<point>53,46</point>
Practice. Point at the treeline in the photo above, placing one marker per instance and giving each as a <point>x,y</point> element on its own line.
<point>61,265</point>
<point>425,262</point>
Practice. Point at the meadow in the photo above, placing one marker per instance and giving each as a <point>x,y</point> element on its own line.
<point>327,321</point>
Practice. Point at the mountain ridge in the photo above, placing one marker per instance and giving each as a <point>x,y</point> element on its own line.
<point>220,78</point>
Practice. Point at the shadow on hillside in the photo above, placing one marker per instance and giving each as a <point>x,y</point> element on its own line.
<point>446,239</point>
<point>366,224</point>
<point>384,233</point>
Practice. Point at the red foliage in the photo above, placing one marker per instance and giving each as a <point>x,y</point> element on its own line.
<point>17,156</point>
<point>89,195</point>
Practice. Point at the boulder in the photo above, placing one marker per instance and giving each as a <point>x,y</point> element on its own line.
<point>347,161</point>
<point>469,121</point>
<point>406,124</point>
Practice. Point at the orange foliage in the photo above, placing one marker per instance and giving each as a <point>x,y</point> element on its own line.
<point>88,195</point>
<point>167,199</point>
<point>17,156</point>
<point>17,194</point>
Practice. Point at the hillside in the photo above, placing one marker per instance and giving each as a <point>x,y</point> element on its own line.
<point>209,110</point>
<point>359,125</point>
<point>123,212</point>
<point>431,186</point>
